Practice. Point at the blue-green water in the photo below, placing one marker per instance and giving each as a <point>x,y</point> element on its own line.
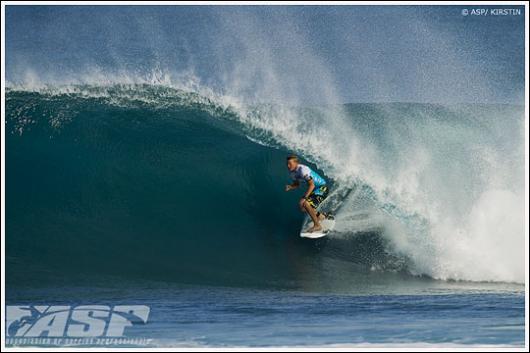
<point>152,195</point>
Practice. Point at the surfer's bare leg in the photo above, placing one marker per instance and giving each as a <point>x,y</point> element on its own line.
<point>313,214</point>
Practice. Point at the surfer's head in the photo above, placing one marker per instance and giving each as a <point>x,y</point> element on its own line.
<point>292,162</point>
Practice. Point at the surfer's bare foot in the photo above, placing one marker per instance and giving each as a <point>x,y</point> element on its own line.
<point>315,229</point>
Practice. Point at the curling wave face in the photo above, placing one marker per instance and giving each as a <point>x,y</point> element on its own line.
<point>157,182</point>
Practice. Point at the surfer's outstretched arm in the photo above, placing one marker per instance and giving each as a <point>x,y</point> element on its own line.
<point>292,186</point>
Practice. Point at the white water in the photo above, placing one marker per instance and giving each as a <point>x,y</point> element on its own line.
<point>450,181</point>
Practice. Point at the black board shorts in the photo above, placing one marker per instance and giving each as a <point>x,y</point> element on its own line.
<point>314,200</point>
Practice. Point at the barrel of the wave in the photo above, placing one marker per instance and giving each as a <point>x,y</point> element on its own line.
<point>135,190</point>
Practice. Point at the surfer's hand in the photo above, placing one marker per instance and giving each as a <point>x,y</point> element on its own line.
<point>288,187</point>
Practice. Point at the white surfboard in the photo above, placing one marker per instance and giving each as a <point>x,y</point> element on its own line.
<point>327,226</point>
<point>330,205</point>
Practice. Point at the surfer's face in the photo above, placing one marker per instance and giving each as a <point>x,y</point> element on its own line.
<point>292,164</point>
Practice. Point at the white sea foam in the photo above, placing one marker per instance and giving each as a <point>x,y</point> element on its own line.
<point>455,210</point>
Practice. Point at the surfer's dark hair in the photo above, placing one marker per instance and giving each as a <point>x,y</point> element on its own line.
<point>292,156</point>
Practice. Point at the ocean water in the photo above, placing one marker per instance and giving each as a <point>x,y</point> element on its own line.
<point>400,312</point>
<point>154,195</point>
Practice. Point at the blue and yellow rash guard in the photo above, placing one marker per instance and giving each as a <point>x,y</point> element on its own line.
<point>304,173</point>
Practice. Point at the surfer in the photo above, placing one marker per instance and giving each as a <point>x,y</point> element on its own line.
<point>316,192</point>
